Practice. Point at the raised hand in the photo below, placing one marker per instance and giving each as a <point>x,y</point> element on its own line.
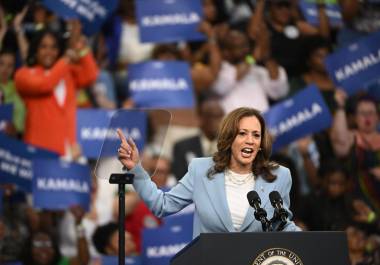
<point>3,25</point>
<point>128,153</point>
<point>340,97</point>
<point>206,28</point>
<point>78,213</point>
<point>362,211</point>
<point>17,21</point>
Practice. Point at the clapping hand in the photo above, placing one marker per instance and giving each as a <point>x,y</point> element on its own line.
<point>363,213</point>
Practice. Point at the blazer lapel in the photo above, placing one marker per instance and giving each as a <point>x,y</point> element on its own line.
<point>217,195</point>
<point>262,189</point>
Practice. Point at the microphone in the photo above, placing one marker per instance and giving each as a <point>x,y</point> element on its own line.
<point>260,214</point>
<point>280,212</point>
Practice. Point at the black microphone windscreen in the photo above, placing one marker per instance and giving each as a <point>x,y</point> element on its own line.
<point>253,197</point>
<point>274,198</point>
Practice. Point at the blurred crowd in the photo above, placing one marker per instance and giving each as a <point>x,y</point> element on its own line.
<point>257,53</point>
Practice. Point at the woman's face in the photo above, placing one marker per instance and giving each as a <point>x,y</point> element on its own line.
<point>238,47</point>
<point>47,52</point>
<point>245,145</point>
<point>281,12</point>
<point>336,184</point>
<point>209,10</point>
<point>366,117</point>
<point>42,249</point>
<point>7,65</point>
<point>317,58</point>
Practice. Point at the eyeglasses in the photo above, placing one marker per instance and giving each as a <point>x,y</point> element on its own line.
<point>42,244</point>
<point>366,113</point>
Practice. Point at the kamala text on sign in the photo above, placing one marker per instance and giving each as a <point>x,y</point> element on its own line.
<point>16,161</point>
<point>174,19</point>
<point>161,84</point>
<point>169,21</point>
<point>311,14</point>
<point>305,113</point>
<point>96,130</point>
<point>92,13</point>
<point>162,243</point>
<point>356,66</point>
<point>58,184</point>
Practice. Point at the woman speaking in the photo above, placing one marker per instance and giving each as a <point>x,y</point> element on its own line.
<point>218,185</point>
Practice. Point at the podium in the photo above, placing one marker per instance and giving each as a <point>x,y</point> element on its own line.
<point>271,248</point>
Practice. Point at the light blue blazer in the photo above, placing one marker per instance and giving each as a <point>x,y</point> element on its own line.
<point>212,214</point>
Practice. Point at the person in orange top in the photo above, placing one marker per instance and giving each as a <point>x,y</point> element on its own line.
<point>48,86</point>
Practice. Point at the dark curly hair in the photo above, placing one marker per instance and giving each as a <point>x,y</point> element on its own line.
<point>227,133</point>
<point>102,236</point>
<point>31,59</point>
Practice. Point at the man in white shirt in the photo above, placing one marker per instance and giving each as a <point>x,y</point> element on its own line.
<point>241,82</point>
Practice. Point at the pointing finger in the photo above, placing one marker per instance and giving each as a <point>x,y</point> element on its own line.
<point>121,135</point>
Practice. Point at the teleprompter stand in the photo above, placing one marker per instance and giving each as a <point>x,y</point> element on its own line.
<point>121,180</point>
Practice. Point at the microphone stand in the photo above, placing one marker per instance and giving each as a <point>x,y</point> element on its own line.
<point>277,217</point>
<point>121,179</point>
<point>281,226</point>
<point>260,215</point>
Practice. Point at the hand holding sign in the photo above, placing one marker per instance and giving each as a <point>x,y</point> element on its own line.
<point>340,97</point>
<point>206,28</point>
<point>75,30</point>
<point>3,24</point>
<point>78,213</point>
<point>128,152</point>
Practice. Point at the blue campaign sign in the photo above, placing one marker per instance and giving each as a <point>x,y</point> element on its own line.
<point>357,65</point>
<point>59,184</point>
<point>6,112</point>
<point>310,12</point>
<point>169,21</point>
<point>162,243</point>
<point>303,114</point>
<point>161,84</point>
<point>16,160</point>
<point>5,115</point>
<point>180,219</point>
<point>113,260</point>
<point>96,130</point>
<point>92,13</point>
<point>374,90</point>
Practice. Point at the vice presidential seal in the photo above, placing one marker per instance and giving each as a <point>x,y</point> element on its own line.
<point>277,256</point>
